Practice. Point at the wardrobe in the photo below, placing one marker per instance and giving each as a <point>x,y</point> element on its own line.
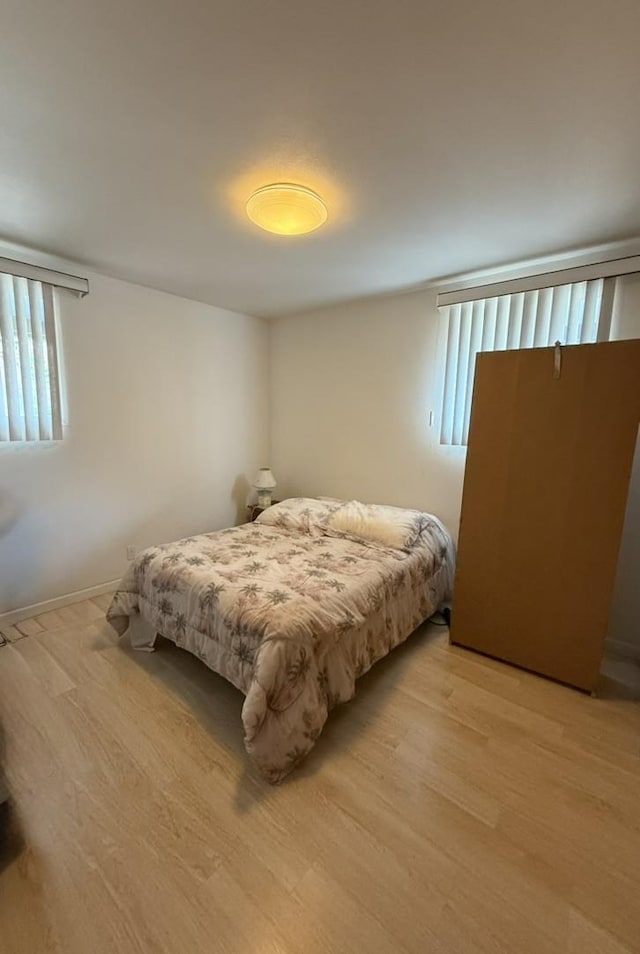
<point>551,444</point>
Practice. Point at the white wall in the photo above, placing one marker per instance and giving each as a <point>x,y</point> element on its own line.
<point>351,390</point>
<point>167,422</point>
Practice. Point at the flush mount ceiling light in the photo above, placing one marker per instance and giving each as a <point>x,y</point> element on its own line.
<point>286,209</point>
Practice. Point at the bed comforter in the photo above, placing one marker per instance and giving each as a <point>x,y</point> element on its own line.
<point>290,617</point>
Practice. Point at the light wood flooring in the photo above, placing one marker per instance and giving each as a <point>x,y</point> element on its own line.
<point>455,805</point>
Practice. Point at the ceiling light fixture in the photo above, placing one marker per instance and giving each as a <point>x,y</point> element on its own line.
<point>286,209</point>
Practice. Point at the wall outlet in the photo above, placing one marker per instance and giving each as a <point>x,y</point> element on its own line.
<point>132,550</point>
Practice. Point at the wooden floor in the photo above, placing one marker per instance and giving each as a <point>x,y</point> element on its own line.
<point>456,805</point>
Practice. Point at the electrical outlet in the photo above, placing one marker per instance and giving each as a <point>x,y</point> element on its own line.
<point>131,551</point>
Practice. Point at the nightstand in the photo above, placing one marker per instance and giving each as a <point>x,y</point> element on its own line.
<point>253,510</point>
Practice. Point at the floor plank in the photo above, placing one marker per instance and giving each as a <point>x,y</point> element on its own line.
<point>456,805</point>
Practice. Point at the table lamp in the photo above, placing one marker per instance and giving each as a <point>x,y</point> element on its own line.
<point>265,484</point>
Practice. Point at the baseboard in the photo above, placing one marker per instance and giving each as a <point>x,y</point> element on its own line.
<point>622,648</point>
<point>34,609</point>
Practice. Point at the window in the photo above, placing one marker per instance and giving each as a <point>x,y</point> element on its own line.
<point>29,381</point>
<point>529,319</point>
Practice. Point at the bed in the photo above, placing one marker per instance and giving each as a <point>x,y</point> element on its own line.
<point>291,609</point>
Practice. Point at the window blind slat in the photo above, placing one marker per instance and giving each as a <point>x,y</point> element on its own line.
<point>4,406</point>
<point>52,353</point>
<point>529,314</point>
<point>560,314</point>
<point>462,372</point>
<point>592,306</point>
<point>543,318</point>
<point>475,342</point>
<point>451,363</point>
<point>502,323</point>
<point>9,354</point>
<point>489,324</point>
<point>36,307</point>
<point>27,370</point>
<point>514,331</point>
<point>576,312</point>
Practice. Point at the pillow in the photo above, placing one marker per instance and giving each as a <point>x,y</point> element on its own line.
<point>306,514</point>
<point>374,523</point>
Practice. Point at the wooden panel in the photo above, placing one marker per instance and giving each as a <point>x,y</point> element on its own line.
<point>544,498</point>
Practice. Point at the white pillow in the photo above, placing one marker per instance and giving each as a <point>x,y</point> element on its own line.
<point>374,523</point>
<point>306,514</point>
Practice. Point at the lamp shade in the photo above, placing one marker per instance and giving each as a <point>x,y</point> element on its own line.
<point>286,209</point>
<point>264,479</point>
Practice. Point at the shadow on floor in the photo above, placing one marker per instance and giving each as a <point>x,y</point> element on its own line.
<point>11,840</point>
<point>218,705</point>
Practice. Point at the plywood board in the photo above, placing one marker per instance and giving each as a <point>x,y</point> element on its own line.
<point>544,497</point>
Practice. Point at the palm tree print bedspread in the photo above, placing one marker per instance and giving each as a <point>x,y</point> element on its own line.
<point>291,617</point>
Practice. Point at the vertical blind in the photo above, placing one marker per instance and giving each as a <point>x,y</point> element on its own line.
<point>29,382</point>
<point>533,319</point>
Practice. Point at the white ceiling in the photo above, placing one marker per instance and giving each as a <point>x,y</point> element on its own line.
<point>445,136</point>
